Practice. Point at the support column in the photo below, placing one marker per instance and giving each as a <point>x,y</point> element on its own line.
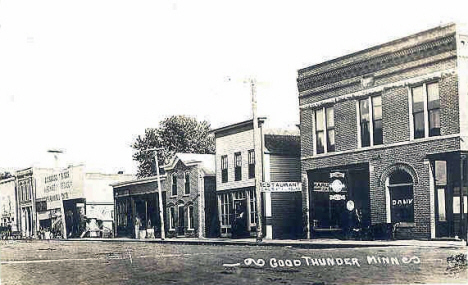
<point>462,198</point>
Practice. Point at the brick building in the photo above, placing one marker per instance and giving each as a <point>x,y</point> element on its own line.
<point>191,196</point>
<point>235,181</point>
<point>386,129</point>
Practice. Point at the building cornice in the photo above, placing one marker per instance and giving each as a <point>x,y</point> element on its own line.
<point>308,80</point>
<point>380,88</point>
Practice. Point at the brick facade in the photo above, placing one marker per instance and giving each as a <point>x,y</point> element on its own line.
<point>201,197</point>
<point>389,70</point>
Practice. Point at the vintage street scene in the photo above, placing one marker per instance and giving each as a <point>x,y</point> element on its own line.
<point>235,143</point>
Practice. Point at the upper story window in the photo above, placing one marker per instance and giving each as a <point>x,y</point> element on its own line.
<point>370,121</point>
<point>251,163</point>
<point>174,185</point>
<point>224,168</point>
<point>425,110</point>
<point>324,130</point>
<point>238,166</point>
<point>187,183</point>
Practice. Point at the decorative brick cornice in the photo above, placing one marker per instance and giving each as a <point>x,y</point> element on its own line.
<point>378,89</point>
<point>307,80</point>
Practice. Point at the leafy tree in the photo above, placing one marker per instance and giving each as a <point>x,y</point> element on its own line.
<point>175,134</point>
<point>5,175</point>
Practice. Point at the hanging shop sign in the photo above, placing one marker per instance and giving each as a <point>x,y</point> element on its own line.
<point>282,186</point>
<point>337,185</point>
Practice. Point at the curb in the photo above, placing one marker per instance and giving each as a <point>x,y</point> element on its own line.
<point>306,245</point>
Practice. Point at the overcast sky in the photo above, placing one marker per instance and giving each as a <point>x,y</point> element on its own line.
<point>89,76</point>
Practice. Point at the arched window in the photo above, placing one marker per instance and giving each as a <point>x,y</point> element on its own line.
<point>400,186</point>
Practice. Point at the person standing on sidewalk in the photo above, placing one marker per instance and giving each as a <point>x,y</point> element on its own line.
<point>137,227</point>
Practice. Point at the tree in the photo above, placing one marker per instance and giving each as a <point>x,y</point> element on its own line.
<point>175,134</point>
<point>5,175</point>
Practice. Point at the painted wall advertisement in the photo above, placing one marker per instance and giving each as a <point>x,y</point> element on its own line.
<point>68,182</point>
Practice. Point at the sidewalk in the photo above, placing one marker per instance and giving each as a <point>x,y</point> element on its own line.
<point>303,243</point>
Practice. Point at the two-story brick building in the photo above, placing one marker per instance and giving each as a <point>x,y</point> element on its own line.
<point>191,196</point>
<point>386,129</point>
<point>235,181</point>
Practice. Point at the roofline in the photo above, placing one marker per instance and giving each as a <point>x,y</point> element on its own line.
<point>9,179</point>
<point>138,181</point>
<point>350,55</point>
<point>237,125</point>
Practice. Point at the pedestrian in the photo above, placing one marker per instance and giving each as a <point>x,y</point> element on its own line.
<point>137,227</point>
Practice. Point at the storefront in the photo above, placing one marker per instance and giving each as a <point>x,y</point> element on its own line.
<point>237,210</point>
<point>333,192</point>
<point>450,200</point>
<point>137,208</point>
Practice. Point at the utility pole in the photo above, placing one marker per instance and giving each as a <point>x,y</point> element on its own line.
<point>258,160</point>
<point>161,213</point>
<point>56,152</point>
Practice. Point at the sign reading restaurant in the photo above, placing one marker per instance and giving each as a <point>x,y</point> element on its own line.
<point>282,186</point>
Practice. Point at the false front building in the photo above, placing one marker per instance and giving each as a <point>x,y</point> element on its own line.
<point>280,180</point>
<point>82,194</point>
<point>384,130</point>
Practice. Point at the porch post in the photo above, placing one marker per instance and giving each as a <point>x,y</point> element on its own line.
<point>462,202</point>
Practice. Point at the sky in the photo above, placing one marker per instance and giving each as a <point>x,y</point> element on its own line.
<point>88,77</point>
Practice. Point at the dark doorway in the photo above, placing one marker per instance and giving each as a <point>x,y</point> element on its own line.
<point>181,225</point>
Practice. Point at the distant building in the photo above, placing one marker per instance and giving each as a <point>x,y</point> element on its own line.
<point>8,204</point>
<point>235,181</point>
<point>385,131</point>
<point>191,206</point>
<point>84,195</point>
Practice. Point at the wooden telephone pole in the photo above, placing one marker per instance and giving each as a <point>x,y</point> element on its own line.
<point>257,139</point>
<point>160,198</point>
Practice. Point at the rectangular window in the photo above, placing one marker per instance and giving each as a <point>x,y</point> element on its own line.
<point>238,166</point>
<point>224,168</point>
<point>426,110</point>
<point>251,163</point>
<point>330,123</point>
<point>441,204</point>
<point>253,207</point>
<point>319,131</point>
<point>174,185</point>
<point>418,112</point>
<point>433,109</point>
<point>190,217</point>
<point>377,120</point>
<point>187,183</point>
<point>122,213</point>
<point>324,130</point>
<point>225,209</point>
<point>364,119</point>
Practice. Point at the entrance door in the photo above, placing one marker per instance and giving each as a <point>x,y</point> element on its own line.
<point>181,226</point>
<point>444,212</point>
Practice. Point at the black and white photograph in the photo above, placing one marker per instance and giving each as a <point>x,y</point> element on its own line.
<point>233,142</point>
